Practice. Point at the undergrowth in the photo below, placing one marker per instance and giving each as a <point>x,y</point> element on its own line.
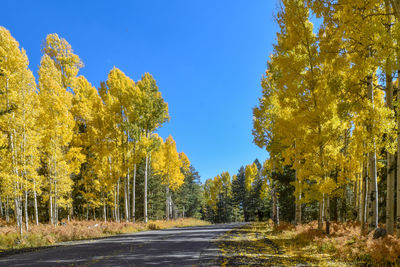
<point>345,242</point>
<point>263,243</point>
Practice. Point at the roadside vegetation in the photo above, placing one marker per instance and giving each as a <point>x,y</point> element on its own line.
<point>47,235</point>
<point>263,243</point>
<point>328,116</point>
<point>344,243</point>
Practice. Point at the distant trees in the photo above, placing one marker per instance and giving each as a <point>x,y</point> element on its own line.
<point>171,166</point>
<point>242,197</point>
<point>71,151</point>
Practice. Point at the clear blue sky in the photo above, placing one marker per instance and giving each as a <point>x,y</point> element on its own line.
<point>207,56</point>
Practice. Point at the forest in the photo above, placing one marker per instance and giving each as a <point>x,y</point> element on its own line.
<point>328,116</point>
<point>71,151</point>
<point>329,119</point>
<point>329,109</point>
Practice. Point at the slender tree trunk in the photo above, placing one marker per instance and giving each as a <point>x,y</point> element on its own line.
<point>26,211</point>
<point>134,193</point>
<point>145,188</point>
<point>359,205</point>
<point>118,207</point>
<point>354,199</point>
<point>327,214</point>
<point>364,194</point>
<point>390,166</point>
<point>320,214</point>
<point>18,214</point>
<point>104,205</point>
<point>398,166</point>
<point>167,203</point>
<point>55,213</point>
<point>7,210</point>
<point>115,203</point>
<point>275,214</point>
<point>126,197</point>
<point>55,204</point>
<point>343,208</point>
<point>35,203</point>
<point>1,208</point>
<point>298,200</point>
<point>17,189</point>
<point>129,195</point>
<point>171,207</point>
<point>50,193</point>
<point>51,209</point>
<point>373,196</point>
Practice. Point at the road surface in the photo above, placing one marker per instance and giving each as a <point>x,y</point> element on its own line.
<point>190,246</point>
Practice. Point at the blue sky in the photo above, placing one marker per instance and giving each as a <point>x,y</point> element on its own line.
<point>207,56</point>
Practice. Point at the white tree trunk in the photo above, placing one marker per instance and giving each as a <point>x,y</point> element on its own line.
<point>390,167</point>
<point>26,211</point>
<point>55,212</point>
<point>118,207</point>
<point>35,203</point>
<point>104,205</point>
<point>145,188</point>
<point>126,188</point>
<point>373,196</point>
<point>134,193</point>
<point>167,203</point>
<point>359,194</point>
<point>320,214</point>
<point>364,195</point>
<point>7,210</point>
<point>115,203</point>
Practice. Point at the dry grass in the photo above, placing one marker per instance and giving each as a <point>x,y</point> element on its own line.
<point>344,243</point>
<point>262,244</point>
<point>287,245</point>
<point>45,234</point>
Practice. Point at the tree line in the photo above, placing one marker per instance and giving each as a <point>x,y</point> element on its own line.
<point>330,109</point>
<point>69,150</point>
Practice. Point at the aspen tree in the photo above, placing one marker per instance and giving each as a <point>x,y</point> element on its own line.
<point>17,125</point>
<point>167,163</point>
<point>133,108</point>
<point>57,131</point>
<point>154,113</point>
<point>396,8</point>
<point>58,54</point>
<point>389,102</point>
<point>86,107</point>
<point>250,174</point>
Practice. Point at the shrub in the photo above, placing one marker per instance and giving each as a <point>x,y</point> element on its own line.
<point>153,226</point>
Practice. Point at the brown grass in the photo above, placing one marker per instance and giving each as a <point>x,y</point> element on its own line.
<point>344,243</point>
<point>45,234</point>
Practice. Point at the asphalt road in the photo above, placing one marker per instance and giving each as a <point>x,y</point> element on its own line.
<point>190,246</point>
